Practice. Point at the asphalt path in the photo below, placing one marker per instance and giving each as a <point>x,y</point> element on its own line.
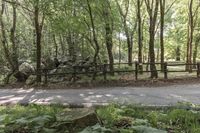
<point>149,96</point>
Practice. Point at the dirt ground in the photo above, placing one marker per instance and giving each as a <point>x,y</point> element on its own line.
<point>111,83</point>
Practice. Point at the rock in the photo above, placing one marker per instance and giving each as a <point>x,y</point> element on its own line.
<point>21,77</point>
<point>65,69</point>
<point>31,80</point>
<point>80,118</point>
<point>56,62</point>
<point>26,68</point>
<point>12,79</point>
<point>49,63</point>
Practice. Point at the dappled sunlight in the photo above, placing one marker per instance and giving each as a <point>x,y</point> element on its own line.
<point>11,100</point>
<point>82,95</point>
<point>109,95</point>
<point>21,90</point>
<point>126,95</point>
<point>99,96</point>
<point>91,93</point>
<point>6,97</point>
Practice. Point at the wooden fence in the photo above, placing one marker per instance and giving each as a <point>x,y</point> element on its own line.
<point>104,71</point>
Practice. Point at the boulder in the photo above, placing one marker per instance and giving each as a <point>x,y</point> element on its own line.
<point>65,69</point>
<point>26,68</point>
<point>31,80</point>
<point>49,63</point>
<point>20,76</point>
<point>12,79</point>
<point>80,118</point>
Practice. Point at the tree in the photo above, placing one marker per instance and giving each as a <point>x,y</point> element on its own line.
<point>128,33</point>
<point>11,55</point>
<point>191,25</point>
<point>38,29</point>
<point>162,22</point>
<point>109,32</point>
<point>152,9</point>
<point>97,48</point>
<point>140,43</point>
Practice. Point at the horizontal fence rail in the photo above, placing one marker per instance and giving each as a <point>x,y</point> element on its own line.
<point>103,70</point>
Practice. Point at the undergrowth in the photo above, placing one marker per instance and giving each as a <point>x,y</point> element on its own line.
<point>114,119</point>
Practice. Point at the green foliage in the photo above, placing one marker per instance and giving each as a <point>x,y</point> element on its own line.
<point>96,129</point>
<point>155,121</point>
<point>126,119</point>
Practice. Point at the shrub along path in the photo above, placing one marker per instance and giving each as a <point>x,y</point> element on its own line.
<point>159,96</point>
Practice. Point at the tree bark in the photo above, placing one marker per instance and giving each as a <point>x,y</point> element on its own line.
<point>140,44</point>
<point>13,40</point>
<point>152,9</point>
<point>4,38</point>
<point>178,53</point>
<point>109,34</point>
<point>71,46</point>
<point>196,51</point>
<point>190,37</point>
<point>126,29</point>
<point>56,46</point>
<point>94,37</point>
<point>162,22</point>
<point>38,30</point>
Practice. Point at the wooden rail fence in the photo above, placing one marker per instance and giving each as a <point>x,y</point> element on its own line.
<point>103,70</point>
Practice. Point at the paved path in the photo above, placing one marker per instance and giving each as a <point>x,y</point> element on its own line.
<point>130,95</point>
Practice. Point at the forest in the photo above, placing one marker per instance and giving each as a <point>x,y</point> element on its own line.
<point>46,34</point>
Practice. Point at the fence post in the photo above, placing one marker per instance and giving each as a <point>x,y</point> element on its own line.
<point>198,69</point>
<point>74,74</point>
<point>45,76</point>
<point>165,70</point>
<point>136,70</point>
<point>140,67</point>
<point>105,71</point>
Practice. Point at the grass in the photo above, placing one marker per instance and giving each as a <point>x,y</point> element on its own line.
<point>115,119</point>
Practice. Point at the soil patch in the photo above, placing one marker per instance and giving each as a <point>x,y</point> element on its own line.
<point>111,83</point>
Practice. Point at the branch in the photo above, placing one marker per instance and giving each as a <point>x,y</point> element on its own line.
<point>18,4</point>
<point>170,6</point>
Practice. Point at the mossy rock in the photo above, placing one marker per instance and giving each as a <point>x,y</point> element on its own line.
<point>79,118</point>
<point>31,80</point>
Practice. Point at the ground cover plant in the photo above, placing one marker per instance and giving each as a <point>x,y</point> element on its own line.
<point>112,119</point>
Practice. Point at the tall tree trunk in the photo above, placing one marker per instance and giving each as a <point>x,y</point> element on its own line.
<point>4,38</point>
<point>109,34</point>
<point>56,46</point>
<point>130,51</point>
<point>109,45</point>
<point>140,44</point>
<point>190,37</point>
<point>5,42</point>
<point>152,9</point>
<point>38,30</point>
<point>71,46</point>
<point>196,51</point>
<point>178,53</point>
<point>13,40</point>
<point>94,37</point>
<point>120,53</point>
<point>62,45</point>
<point>162,22</point>
<point>129,37</point>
